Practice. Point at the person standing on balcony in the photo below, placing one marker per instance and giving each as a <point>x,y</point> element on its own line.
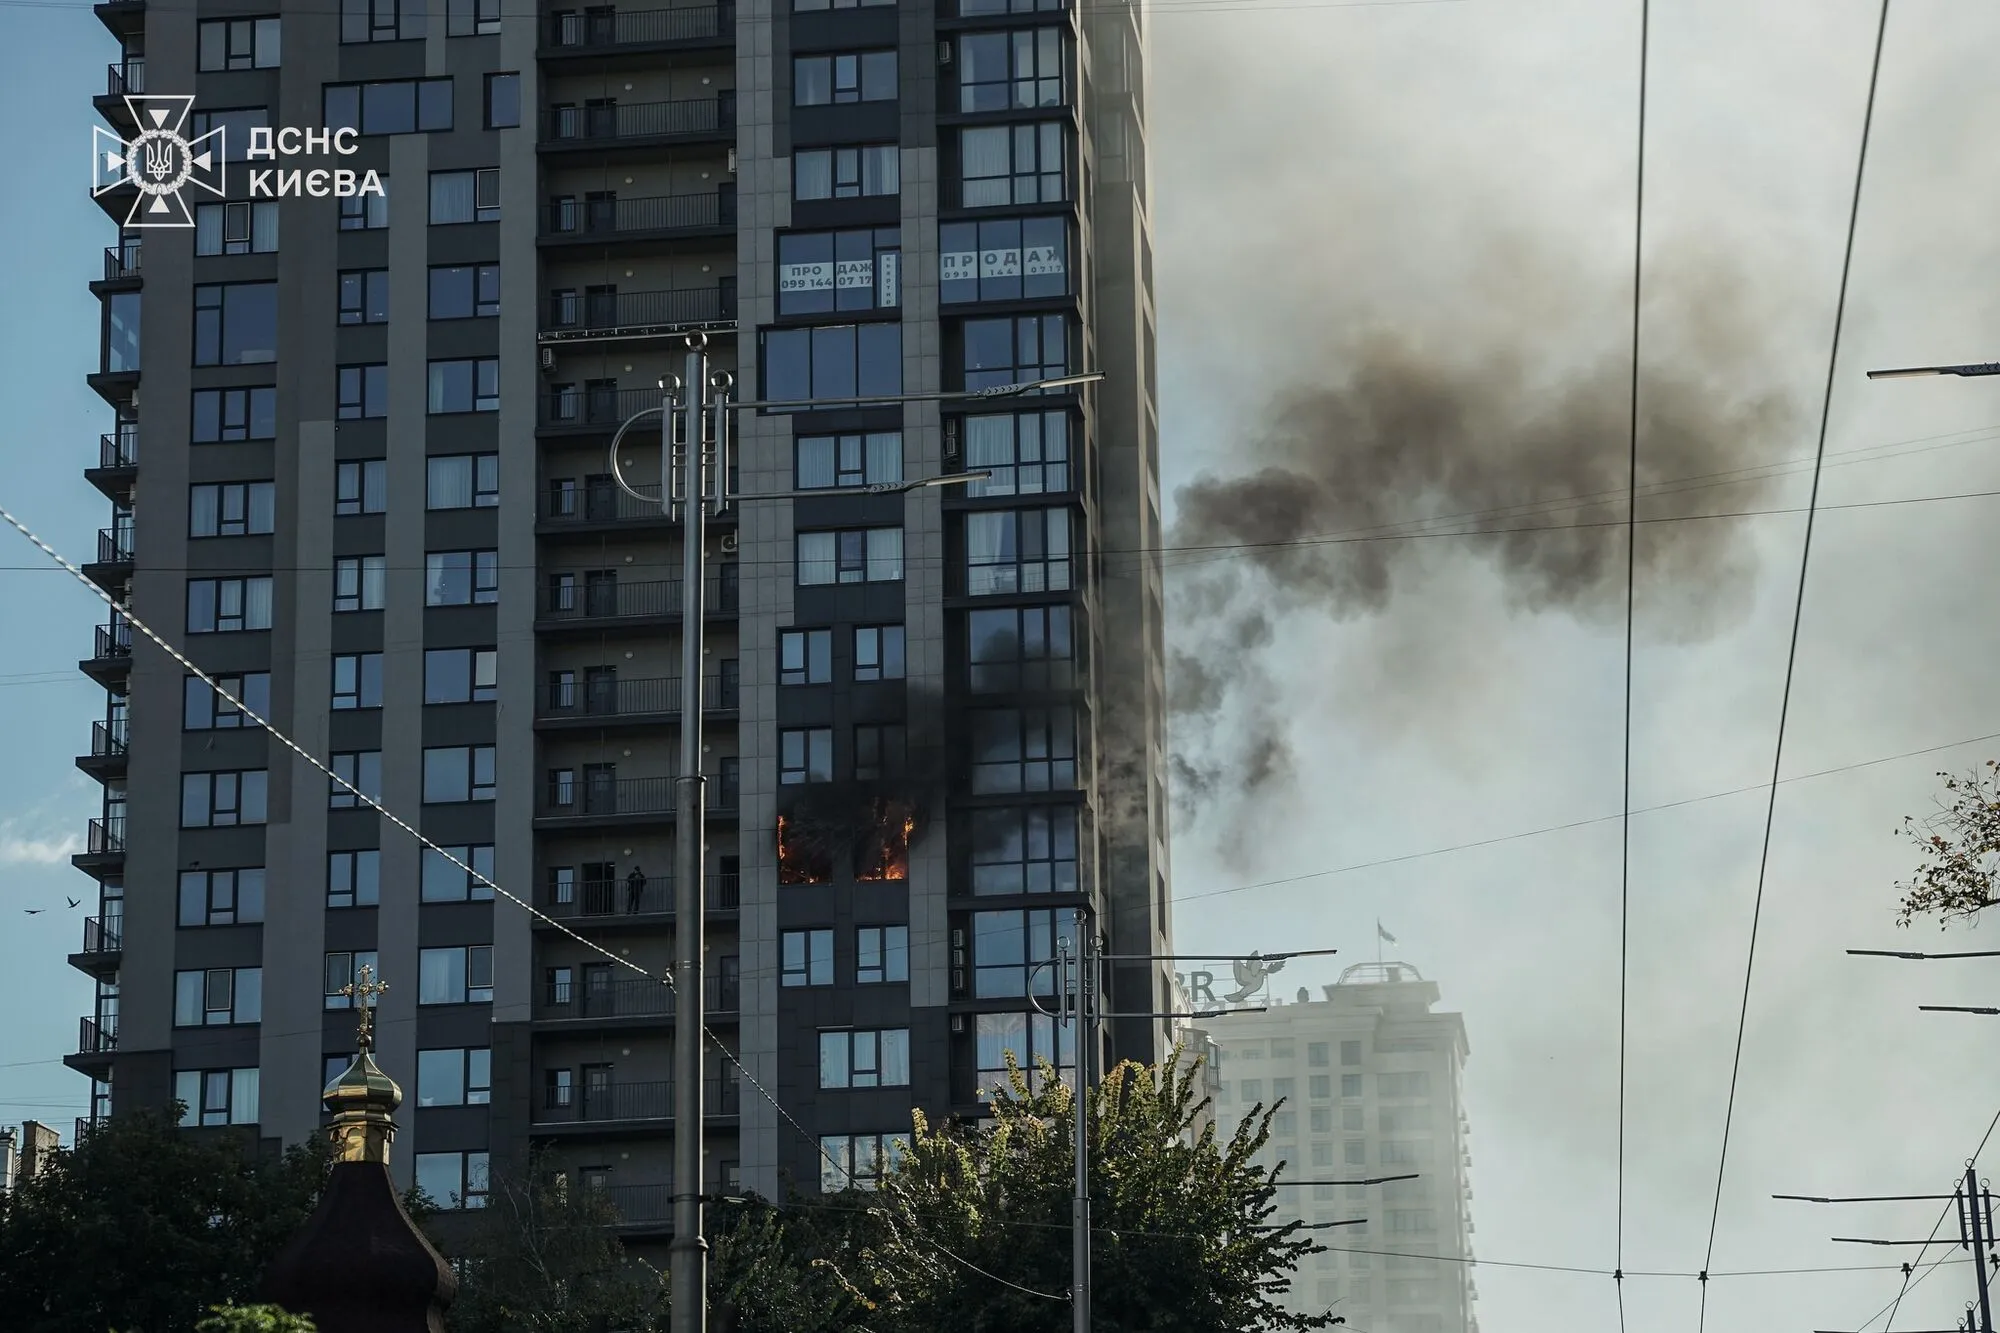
<point>635,890</point>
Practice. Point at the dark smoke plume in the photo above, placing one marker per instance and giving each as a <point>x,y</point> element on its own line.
<point>1403,460</point>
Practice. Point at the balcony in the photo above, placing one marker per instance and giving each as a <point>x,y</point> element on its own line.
<point>594,408</point>
<point>614,802</point>
<point>622,316</point>
<point>95,1045</point>
<point>123,18</point>
<point>113,566</point>
<point>117,463</point>
<point>103,946</point>
<point>129,77</point>
<point>640,124</point>
<point>643,31</point>
<point>104,845</point>
<point>646,1207</point>
<point>641,997</point>
<point>640,606</point>
<point>107,750</point>
<point>632,1103</point>
<point>121,269</point>
<point>653,700</point>
<point>609,901</point>
<point>111,655</point>
<point>662,216</point>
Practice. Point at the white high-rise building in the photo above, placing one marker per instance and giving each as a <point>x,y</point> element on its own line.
<point>1366,1079</point>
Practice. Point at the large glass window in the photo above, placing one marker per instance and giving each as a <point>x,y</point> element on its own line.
<point>1020,350</point>
<point>806,958</point>
<point>121,332</point>
<point>1030,849</point>
<point>1010,948</point>
<point>343,970</point>
<point>461,675</point>
<point>459,975</point>
<point>364,296</point>
<point>222,897</point>
<point>366,212</point>
<point>1003,259</point>
<point>1031,1039</point>
<point>858,1161</point>
<point>819,271</point>
<point>858,172</point>
<point>805,656</point>
<point>881,955</point>
<point>217,1096</point>
<point>361,487</point>
<point>228,606</point>
<point>878,652</point>
<point>404,106</point>
<point>865,1059</point>
<point>457,773</point>
<point>1023,749</point>
<point>461,578</point>
<point>462,481</point>
<point>249,228</point>
<point>805,754</point>
<point>353,879</point>
<point>223,800</point>
<point>465,291</point>
<point>444,882</point>
<point>223,416</point>
<point>222,44</point>
<point>857,555</point>
<point>231,509</point>
<point>464,386</point>
<point>453,1180</point>
<point>382,20</point>
<point>202,709</point>
<point>465,196</point>
<point>235,126</point>
<point>1003,71</point>
<point>850,76</point>
<point>873,459</point>
<point>352,770</point>
<point>838,361</point>
<point>218,997</point>
<point>1011,164</point>
<point>360,582</point>
<point>362,393</point>
<point>1010,551</point>
<point>1027,453</point>
<point>455,1077</point>
<point>1020,648</point>
<point>357,681</point>
<point>235,323</point>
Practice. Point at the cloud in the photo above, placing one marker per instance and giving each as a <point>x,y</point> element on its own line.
<point>36,846</point>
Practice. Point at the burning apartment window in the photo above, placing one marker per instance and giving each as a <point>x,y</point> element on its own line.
<point>1031,1039</point>
<point>1023,749</point>
<point>805,656</point>
<point>1025,550</point>
<point>878,752</point>
<point>802,859</point>
<point>882,851</point>
<point>1009,948</point>
<point>805,754</point>
<point>878,652</point>
<point>1024,850</point>
<point>1020,648</point>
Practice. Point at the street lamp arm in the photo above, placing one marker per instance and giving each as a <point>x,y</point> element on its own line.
<point>1917,372</point>
<point>618,473</point>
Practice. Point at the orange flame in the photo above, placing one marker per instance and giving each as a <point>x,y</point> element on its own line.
<point>889,844</point>
<point>800,865</point>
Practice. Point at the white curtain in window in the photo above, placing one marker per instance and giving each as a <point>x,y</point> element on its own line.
<point>816,454</point>
<point>263,228</point>
<point>881,169</point>
<point>989,553</point>
<point>204,510</point>
<point>984,151</point>
<point>257,604</point>
<point>816,556</point>
<point>814,179</point>
<point>450,481</point>
<point>885,554</point>
<point>208,229</point>
<point>451,197</point>
<point>885,457</point>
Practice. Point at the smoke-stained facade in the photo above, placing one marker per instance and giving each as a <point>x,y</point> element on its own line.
<point>360,474</point>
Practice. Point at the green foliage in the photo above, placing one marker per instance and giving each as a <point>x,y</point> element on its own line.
<point>1961,851</point>
<point>776,1270</point>
<point>253,1319</point>
<point>975,1234</point>
<point>145,1226</point>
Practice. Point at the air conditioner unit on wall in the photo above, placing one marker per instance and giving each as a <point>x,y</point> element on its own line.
<point>732,161</point>
<point>728,543</point>
<point>944,52</point>
<point>548,360</point>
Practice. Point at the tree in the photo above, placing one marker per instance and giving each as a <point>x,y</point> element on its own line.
<point>145,1226</point>
<point>253,1319</point>
<point>975,1223</point>
<point>776,1270</point>
<point>1956,880</point>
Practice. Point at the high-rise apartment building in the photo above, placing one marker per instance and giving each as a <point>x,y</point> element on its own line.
<point>358,471</point>
<point>1369,1080</point>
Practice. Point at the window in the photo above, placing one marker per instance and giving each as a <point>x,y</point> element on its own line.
<point>1317,1054</point>
<point>235,126</point>
<point>819,271</point>
<point>1406,1152</point>
<point>1282,1088</point>
<point>463,481</point>
<point>236,44</point>
<point>1283,1048</point>
<point>1024,850</point>
<point>465,291</point>
<point>805,656</point>
<point>807,958</point>
<point>459,975</point>
<point>366,212</point>
<point>461,675</point>
<point>361,487</point>
<point>1251,1090</point>
<point>804,6</point>
<point>1285,1123</point>
<point>849,460</point>
<point>455,1077</point>
<point>1031,1039</point>
<point>1020,648</point>
<point>357,681</point>
<point>1354,1152</point>
<point>216,1096</point>
<point>878,752</point>
<point>381,20</point>
<point>1015,351</point>
<point>1413,1084</point>
<point>465,386</point>
<point>858,555</point>
<point>1004,71</point>
<point>858,1161</point>
<point>452,1180</point>
<point>223,800</point>
<point>461,578</point>
<point>465,196</point>
<point>846,173</point>
<point>1015,551</point>
<point>222,897</point>
<point>881,954</point>
<point>344,970</point>
<point>1008,947</point>
<point>1404,1118</point>
<point>457,773</point>
<point>1350,1052</point>
<point>471,18</point>
<point>363,393</point>
<point>837,361</point>
<point>1023,749</point>
<point>236,229</point>
<point>235,323</point>
<point>854,76</point>
<point>202,709</point>
<point>364,296</point>
<point>403,106</point>
<point>871,1059</point>
<point>359,582</point>
<point>354,879</point>
<point>1027,453</point>
<point>224,416</point>
<point>1406,1220</point>
<point>1003,259</point>
<point>1351,1119</point>
<point>360,768</point>
<point>1011,164</point>
<point>1319,1086</point>
<point>805,755</point>
<point>878,652</point>
<point>218,996</point>
<point>231,509</point>
<point>443,882</point>
<point>503,101</point>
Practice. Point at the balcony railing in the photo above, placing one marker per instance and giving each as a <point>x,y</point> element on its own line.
<point>94,1040</point>
<point>119,449</point>
<point>640,1205</point>
<point>627,698</point>
<point>600,502</point>
<point>113,640</point>
<point>129,77</point>
<point>600,312</point>
<point>640,997</point>
<point>640,120</point>
<point>634,1101</point>
<point>629,601</point>
<point>121,261</point>
<point>613,897</point>
<point>106,836</point>
<point>114,546</point>
<point>643,27</point>
<point>694,211</point>
<point>107,738</point>
<point>103,935</point>
<point>592,406</point>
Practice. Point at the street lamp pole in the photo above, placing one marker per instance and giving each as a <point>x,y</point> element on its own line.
<point>1918,372</point>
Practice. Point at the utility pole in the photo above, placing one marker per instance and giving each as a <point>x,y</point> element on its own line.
<point>1081,1004</point>
<point>1975,1233</point>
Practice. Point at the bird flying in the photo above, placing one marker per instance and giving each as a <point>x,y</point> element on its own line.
<point>74,902</point>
